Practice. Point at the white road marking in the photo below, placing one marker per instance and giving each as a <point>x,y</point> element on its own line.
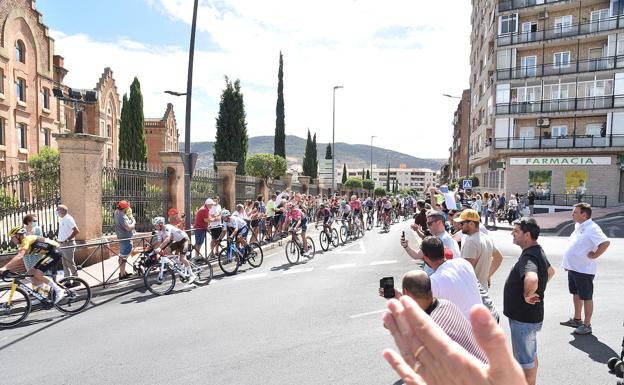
<point>369,313</point>
<point>362,249</point>
<point>295,271</point>
<point>343,266</point>
<point>383,262</point>
<point>250,276</point>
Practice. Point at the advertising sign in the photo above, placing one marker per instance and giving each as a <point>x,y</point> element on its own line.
<point>540,182</point>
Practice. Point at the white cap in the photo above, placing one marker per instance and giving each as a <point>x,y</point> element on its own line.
<point>209,201</point>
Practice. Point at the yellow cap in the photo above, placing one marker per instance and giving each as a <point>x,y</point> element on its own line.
<point>468,215</point>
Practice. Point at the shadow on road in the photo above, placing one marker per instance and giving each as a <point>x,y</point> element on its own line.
<point>595,349</point>
<point>287,266</point>
<point>145,295</point>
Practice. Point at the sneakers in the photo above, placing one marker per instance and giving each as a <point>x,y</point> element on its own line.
<point>59,295</point>
<point>125,276</point>
<point>575,323</point>
<point>192,278</point>
<point>583,329</point>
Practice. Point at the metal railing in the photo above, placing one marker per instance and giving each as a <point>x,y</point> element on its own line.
<point>549,69</point>
<point>560,105</point>
<point>247,187</point>
<point>568,141</point>
<point>508,5</point>
<point>561,31</point>
<point>572,199</point>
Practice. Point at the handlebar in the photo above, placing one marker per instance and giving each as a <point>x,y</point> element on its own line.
<point>8,276</point>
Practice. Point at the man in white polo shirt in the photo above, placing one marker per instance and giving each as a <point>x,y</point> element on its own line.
<point>587,243</point>
<point>66,237</point>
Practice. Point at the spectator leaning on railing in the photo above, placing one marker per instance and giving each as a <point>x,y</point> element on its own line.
<point>66,237</point>
<point>124,229</point>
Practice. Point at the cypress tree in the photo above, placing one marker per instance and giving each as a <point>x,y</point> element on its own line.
<point>124,131</point>
<point>314,158</point>
<point>344,173</point>
<point>388,179</point>
<point>368,175</point>
<point>132,145</point>
<point>328,151</point>
<point>307,157</point>
<point>231,139</point>
<point>280,127</point>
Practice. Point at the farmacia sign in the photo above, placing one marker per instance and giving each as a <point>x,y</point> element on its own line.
<point>562,161</point>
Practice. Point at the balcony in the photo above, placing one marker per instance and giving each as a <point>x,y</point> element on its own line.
<point>568,141</point>
<point>508,5</point>
<point>560,105</point>
<point>553,69</point>
<point>561,31</point>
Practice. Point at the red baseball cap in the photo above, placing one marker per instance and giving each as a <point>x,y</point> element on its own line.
<point>172,212</point>
<point>123,205</point>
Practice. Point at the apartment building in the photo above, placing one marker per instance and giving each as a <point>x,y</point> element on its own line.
<point>458,153</point>
<point>547,97</point>
<point>409,178</point>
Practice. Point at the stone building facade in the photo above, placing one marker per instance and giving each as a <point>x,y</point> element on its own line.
<point>161,134</point>
<point>29,114</point>
<point>458,154</point>
<point>547,82</point>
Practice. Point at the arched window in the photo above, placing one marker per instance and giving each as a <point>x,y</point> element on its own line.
<point>20,51</point>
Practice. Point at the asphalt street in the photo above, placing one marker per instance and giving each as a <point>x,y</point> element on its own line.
<point>318,322</point>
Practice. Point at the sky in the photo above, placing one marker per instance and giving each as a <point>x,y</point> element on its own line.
<point>395,60</point>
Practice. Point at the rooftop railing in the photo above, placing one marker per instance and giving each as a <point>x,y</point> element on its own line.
<point>567,141</point>
<point>508,5</point>
<point>559,105</point>
<point>550,69</point>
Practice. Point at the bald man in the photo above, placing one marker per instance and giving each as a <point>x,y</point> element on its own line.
<point>417,285</point>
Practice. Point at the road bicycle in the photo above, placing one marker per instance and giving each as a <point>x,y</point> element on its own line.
<point>160,277</point>
<point>356,232</point>
<point>15,302</point>
<point>232,256</point>
<point>369,220</point>
<point>328,236</point>
<point>294,248</point>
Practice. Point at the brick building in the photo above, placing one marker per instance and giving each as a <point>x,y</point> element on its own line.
<point>547,97</point>
<point>161,134</point>
<point>458,154</point>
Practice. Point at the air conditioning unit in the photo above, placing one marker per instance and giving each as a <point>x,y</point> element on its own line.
<point>542,15</point>
<point>543,122</point>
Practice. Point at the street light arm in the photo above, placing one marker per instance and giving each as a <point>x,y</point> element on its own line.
<point>174,93</point>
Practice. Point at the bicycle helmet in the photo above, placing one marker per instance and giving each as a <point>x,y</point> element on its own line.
<point>158,221</point>
<point>16,231</point>
<point>225,213</point>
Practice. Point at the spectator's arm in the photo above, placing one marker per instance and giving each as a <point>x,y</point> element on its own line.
<point>415,254</point>
<point>497,260</point>
<point>551,273</point>
<point>601,249</point>
<point>530,283</point>
<point>75,232</point>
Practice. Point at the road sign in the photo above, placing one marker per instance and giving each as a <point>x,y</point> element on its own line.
<point>467,184</point>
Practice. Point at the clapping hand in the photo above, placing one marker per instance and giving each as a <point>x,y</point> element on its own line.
<point>430,357</point>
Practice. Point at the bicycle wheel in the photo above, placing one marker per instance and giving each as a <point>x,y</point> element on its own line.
<point>17,310</point>
<point>157,283</point>
<point>229,264</point>
<point>335,239</point>
<point>369,223</point>
<point>292,252</point>
<point>77,295</point>
<point>344,234</point>
<point>202,269</point>
<point>311,248</point>
<point>324,240</point>
<point>255,255</point>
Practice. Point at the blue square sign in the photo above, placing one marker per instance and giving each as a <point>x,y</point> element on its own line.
<point>467,184</point>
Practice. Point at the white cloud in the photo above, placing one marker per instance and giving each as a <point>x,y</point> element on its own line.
<point>395,60</point>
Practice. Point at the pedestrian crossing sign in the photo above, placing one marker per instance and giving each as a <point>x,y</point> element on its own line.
<point>467,184</point>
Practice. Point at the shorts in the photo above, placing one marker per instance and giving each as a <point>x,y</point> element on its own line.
<point>304,224</point>
<point>524,342</point>
<point>215,232</point>
<point>200,236</point>
<point>269,221</point>
<point>243,232</point>
<point>581,284</point>
<point>255,222</point>
<point>42,262</point>
<point>125,248</point>
<point>178,246</point>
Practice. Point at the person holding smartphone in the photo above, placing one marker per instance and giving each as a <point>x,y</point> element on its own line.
<point>417,285</point>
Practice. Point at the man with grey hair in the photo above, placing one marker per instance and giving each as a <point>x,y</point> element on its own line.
<point>67,238</point>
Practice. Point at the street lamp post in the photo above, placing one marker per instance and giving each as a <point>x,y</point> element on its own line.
<point>334,139</point>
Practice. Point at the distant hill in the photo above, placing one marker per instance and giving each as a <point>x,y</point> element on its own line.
<point>354,155</point>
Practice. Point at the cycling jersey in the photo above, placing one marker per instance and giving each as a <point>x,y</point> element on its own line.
<point>294,215</point>
<point>324,214</point>
<point>170,231</point>
<point>237,223</point>
<point>38,245</point>
<point>40,253</point>
<point>355,205</point>
<point>387,205</point>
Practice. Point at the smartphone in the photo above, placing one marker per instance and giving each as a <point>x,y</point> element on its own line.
<point>387,284</point>
<point>403,235</point>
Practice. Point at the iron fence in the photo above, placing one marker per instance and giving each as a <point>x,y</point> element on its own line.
<point>204,184</point>
<point>34,192</point>
<point>277,185</point>
<point>572,199</point>
<point>144,186</point>
<point>247,187</point>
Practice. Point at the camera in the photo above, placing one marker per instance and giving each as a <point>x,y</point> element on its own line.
<point>387,284</point>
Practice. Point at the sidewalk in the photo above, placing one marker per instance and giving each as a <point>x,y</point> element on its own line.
<point>554,222</point>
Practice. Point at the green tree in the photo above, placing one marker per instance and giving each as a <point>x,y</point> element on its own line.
<point>308,161</point>
<point>380,192</point>
<point>280,166</point>
<point>388,179</point>
<point>328,151</point>
<point>46,158</point>
<point>353,183</point>
<point>368,184</point>
<point>132,145</point>
<point>232,141</point>
<point>46,167</point>
<point>280,126</point>
<point>344,173</point>
<point>314,158</point>
<point>368,175</point>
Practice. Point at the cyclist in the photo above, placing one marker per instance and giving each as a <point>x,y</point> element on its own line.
<point>325,214</point>
<point>356,210</point>
<point>239,228</point>
<point>298,220</point>
<point>379,205</point>
<point>387,208</point>
<point>176,240</point>
<point>36,255</point>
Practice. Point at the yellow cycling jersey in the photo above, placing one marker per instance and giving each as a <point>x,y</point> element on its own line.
<point>38,245</point>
